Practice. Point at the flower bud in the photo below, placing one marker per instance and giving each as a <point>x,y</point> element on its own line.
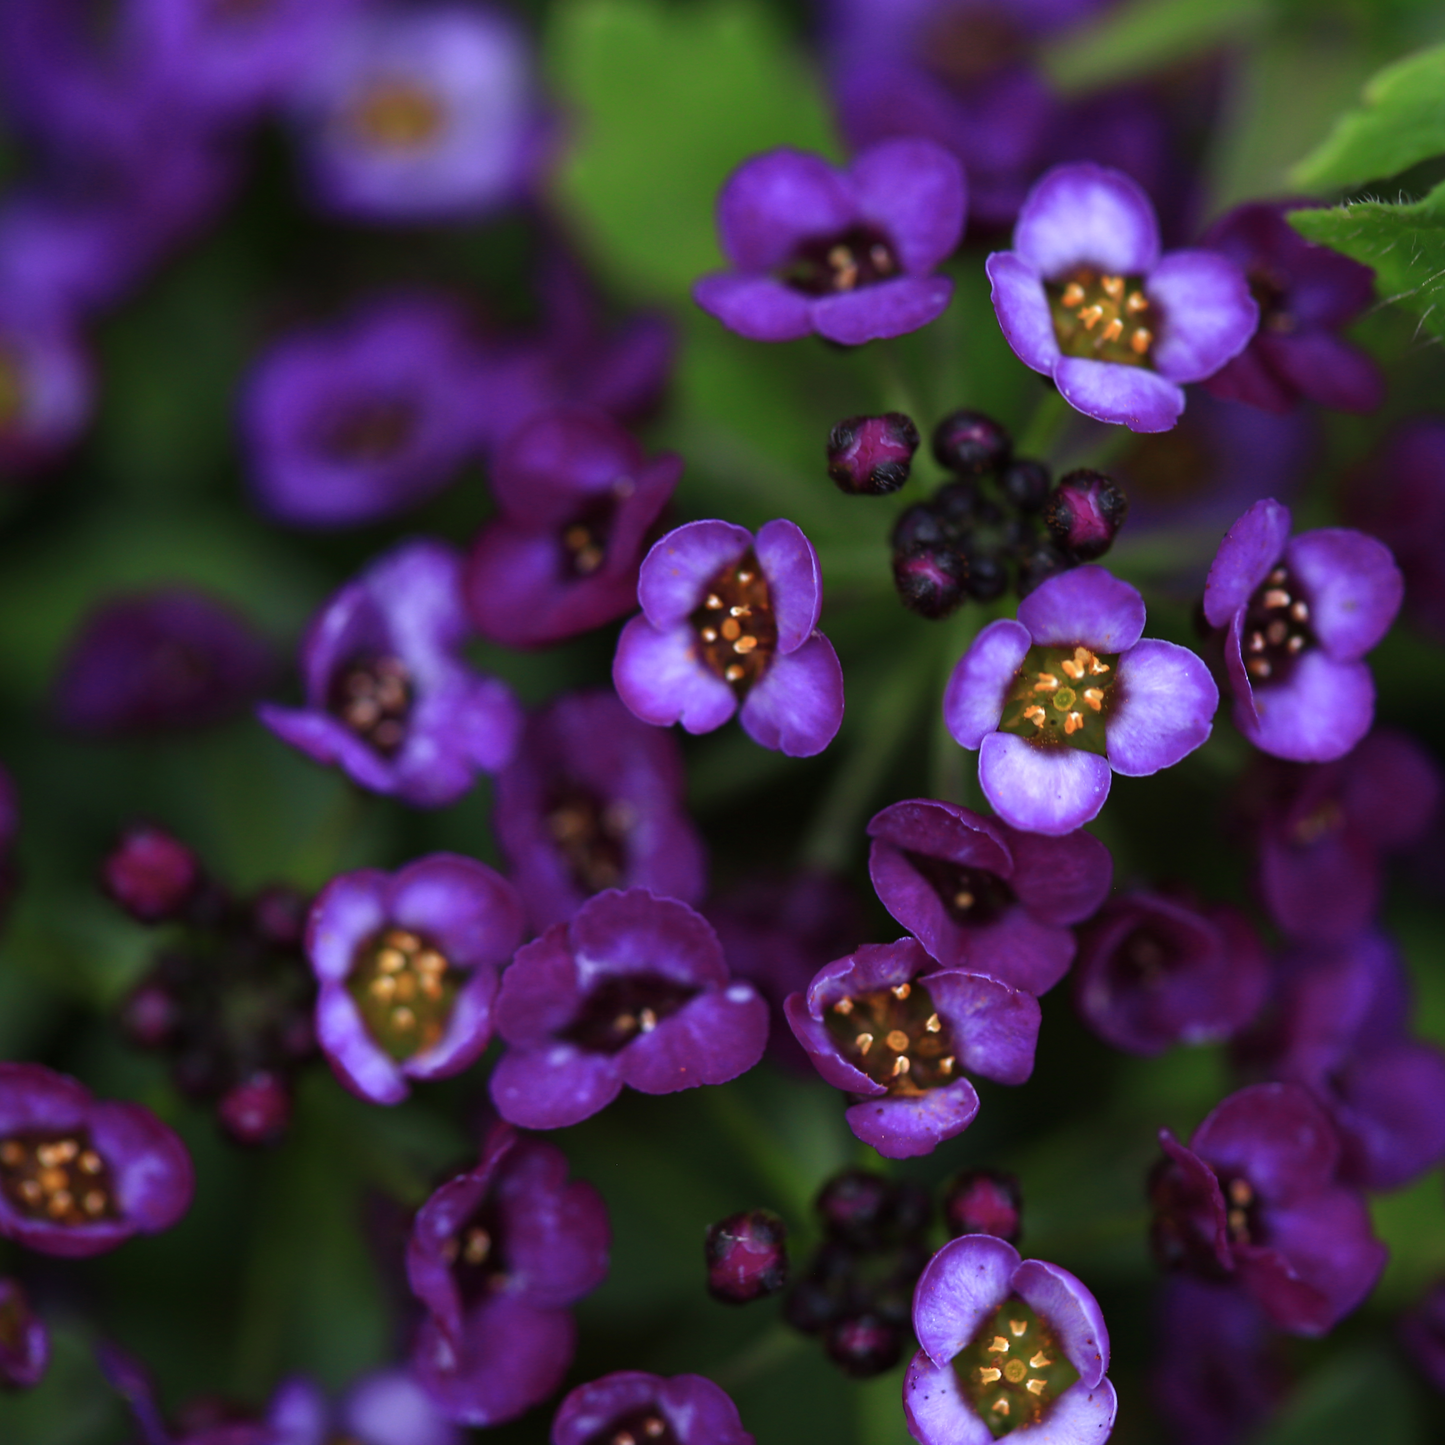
<point>1084,514</point>
<point>930,580</point>
<point>864,1345</point>
<point>922,525</point>
<point>971,444</point>
<point>151,1015</point>
<point>1037,563</point>
<point>747,1256</point>
<point>870,456</point>
<point>257,1110</point>
<point>960,506</point>
<point>987,576</point>
<point>867,1211</point>
<point>1025,483</point>
<point>983,1201</point>
<point>150,874</point>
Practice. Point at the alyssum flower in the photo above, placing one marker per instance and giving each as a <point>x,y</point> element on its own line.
<point>633,1408</point>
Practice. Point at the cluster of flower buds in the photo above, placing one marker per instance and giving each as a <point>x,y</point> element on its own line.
<point>969,540</point>
<point>230,998</point>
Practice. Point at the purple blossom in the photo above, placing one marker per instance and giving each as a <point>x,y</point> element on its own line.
<point>729,622</point>
<point>407,965</point>
<point>46,389</point>
<point>578,503</point>
<point>850,255</point>
<point>593,800</point>
<point>1086,298</point>
<point>497,1255</point>
<point>1422,1332</point>
<point>682,1410</point>
<point>1301,614</point>
<point>1306,294</point>
<point>633,990</point>
<point>883,1026</point>
<point>363,419</point>
<point>1067,695</point>
<point>24,1340</point>
<point>1253,1199</point>
<point>389,698</point>
<point>1154,972</point>
<point>80,1175</point>
<point>980,895</point>
<point>979,1309</point>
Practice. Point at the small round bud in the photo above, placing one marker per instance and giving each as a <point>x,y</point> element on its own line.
<point>971,444</point>
<point>864,1345</point>
<point>960,506</point>
<point>870,456</point>
<point>922,525</point>
<point>278,915</point>
<point>150,874</point>
<point>1038,563</point>
<point>987,576</point>
<point>1084,514</point>
<point>810,1306</point>
<point>1025,483</point>
<point>747,1256</point>
<point>930,580</point>
<point>256,1111</point>
<point>983,1201</point>
<point>151,1015</point>
<point>854,1206</point>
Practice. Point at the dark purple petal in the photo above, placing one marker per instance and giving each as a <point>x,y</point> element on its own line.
<point>1062,879</point>
<point>154,1179</point>
<point>914,191</point>
<point>1166,709</point>
<point>470,911</point>
<point>675,573</point>
<point>1129,396</point>
<point>1073,1314</point>
<point>889,308</point>
<point>1022,308</point>
<point>797,707</point>
<point>541,991</point>
<point>1276,1136</point>
<point>774,201</point>
<point>910,1125</point>
<point>973,700</point>
<point>1087,215</point>
<point>1249,552</point>
<point>637,932</point>
<point>1042,790</point>
<point>1209,315</point>
<point>995,1027</point>
<point>24,1340</point>
<point>1084,606</point>
<point>662,680</point>
<point>961,1286</point>
<point>756,307</point>
<point>697,1411</point>
<point>795,581</point>
<point>1325,369</point>
<point>821,1049</point>
<point>1390,1110</point>
<point>712,1039</point>
<point>554,1085</point>
<point>1353,585</point>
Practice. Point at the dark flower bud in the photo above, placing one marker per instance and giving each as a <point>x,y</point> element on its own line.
<point>278,915</point>
<point>959,505</point>
<point>747,1256</point>
<point>971,444</point>
<point>864,1345</point>
<point>869,456</point>
<point>1037,563</point>
<point>150,874</point>
<point>1084,514</point>
<point>922,525</point>
<point>257,1110</point>
<point>983,1201</point>
<point>866,1211</point>
<point>930,580</point>
<point>810,1305</point>
<point>151,1015</point>
<point>1025,483</point>
<point>987,576</point>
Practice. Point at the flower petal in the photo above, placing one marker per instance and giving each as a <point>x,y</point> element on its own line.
<point>797,708</point>
<point>662,680</point>
<point>1022,308</point>
<point>961,1286</point>
<point>1316,714</point>
<point>1087,215</point>
<point>973,700</point>
<point>1354,588</point>
<point>1208,313</point>
<point>365,1068</point>
<point>906,1127</point>
<point>890,308</point>
<point>1073,1314</point>
<point>1129,396</point>
<point>913,191</point>
<point>714,1038</point>
<point>1248,552</point>
<point>795,581</point>
<point>1166,709</point>
<point>676,572</point>
<point>934,1408</point>
<point>1085,605</point>
<point>995,1027</point>
<point>1052,790</point>
<point>776,200</point>
<point>757,307</point>
<point>553,1086</point>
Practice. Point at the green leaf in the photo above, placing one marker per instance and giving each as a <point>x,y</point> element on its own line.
<point>665,100</point>
<point>1401,123</point>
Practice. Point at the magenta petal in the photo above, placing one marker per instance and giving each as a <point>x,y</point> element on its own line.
<point>1062,880</point>
<point>1326,369</point>
<point>1073,1314</point>
<point>366,1069</point>
<point>675,573</point>
<point>756,307</point>
<point>661,679</point>
<point>1353,585</point>
<point>1128,396</point>
<point>795,581</point>
<point>777,199</point>
<point>1051,790</point>
<point>1275,1135</point>
<point>1167,707</point>
<point>714,1038</point>
<point>1245,558</point>
<point>1085,605</point>
<point>351,908</point>
<point>961,1286</point>
<point>914,191</point>
<point>934,1407</point>
<point>1087,215</point>
<point>890,308</point>
<point>1315,715</point>
<point>797,708</point>
<point>905,1128</point>
<point>553,1086</point>
<point>469,910</point>
<point>1209,315</point>
<point>995,1027</point>
<point>1022,309</point>
<point>973,700</point>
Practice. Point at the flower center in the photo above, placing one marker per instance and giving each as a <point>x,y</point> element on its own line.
<point>397,115</point>
<point>405,989</point>
<point>1276,628</point>
<point>830,265</point>
<point>1062,695</point>
<point>373,697</point>
<point>1241,1209</point>
<point>592,836</point>
<point>374,431</point>
<point>1013,1369</point>
<point>735,624</point>
<point>1143,959</point>
<point>12,389</point>
<point>971,45</point>
<point>895,1037</point>
<point>1270,290</point>
<point>474,1255</point>
<point>969,895</point>
<point>647,1426</point>
<point>624,1005</point>
<point>1323,821</point>
<point>57,1177</point>
<point>1102,318</point>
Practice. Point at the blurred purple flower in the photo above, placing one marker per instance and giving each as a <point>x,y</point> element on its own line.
<point>1422,1332</point>
<point>46,386</point>
<point>682,1410</point>
<point>24,1340</point>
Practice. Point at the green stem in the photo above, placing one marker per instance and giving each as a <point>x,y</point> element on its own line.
<point>764,1354</point>
<point>1041,436</point>
<point>894,383</point>
<point>749,1134</point>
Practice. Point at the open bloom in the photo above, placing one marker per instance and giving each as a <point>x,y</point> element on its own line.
<point>1008,1346</point>
<point>1086,298</point>
<point>1069,694</point>
<point>729,622</point>
<point>1301,614</point>
<point>631,1405</point>
<point>848,254</point>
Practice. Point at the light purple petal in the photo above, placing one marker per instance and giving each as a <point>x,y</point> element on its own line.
<point>1128,396</point>
<point>1022,308</point>
<point>714,1038</point>
<point>662,680</point>
<point>1315,715</point>
<point>1072,1312</point>
<point>366,1069</point>
<point>391,1408</point>
<point>774,201</point>
<point>995,1027</point>
<point>467,1034</point>
<point>935,1410</point>
<point>1052,790</point>
<point>890,308</point>
<point>298,1414</point>
<point>1085,605</point>
<point>907,1127</point>
<point>914,192</point>
<point>469,910</point>
<point>1080,1416</point>
<point>797,708</point>
<point>1209,315</point>
<point>351,908</point>
<point>1087,215</point>
<point>756,307</point>
<point>1167,707</point>
<point>675,573</point>
<point>795,581</point>
<point>962,1285</point>
<point>553,1086</point>
<point>1354,588</point>
<point>973,701</point>
<point>1249,551</point>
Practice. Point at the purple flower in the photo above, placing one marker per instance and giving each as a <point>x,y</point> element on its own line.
<point>385,1407</point>
<point>388,696</point>
<point>882,1026</point>
<point>730,620</point>
<point>634,990</point>
<point>1422,1332</point>
<point>1154,972</point>
<point>1306,294</point>
<point>46,389</point>
<point>413,114</point>
<point>78,1175</point>
<point>1069,694</point>
<point>407,964</point>
<point>170,659</point>
<point>593,800</point>
<point>363,419</point>
<point>1301,613</point>
<point>577,501</point>
<point>682,1410</point>
<point>747,1256</point>
<point>980,895</point>
<point>497,1255</point>
<point>24,1340</point>
<point>979,1313</point>
<point>848,254</point>
<point>1253,1199</point>
<point>1086,298</point>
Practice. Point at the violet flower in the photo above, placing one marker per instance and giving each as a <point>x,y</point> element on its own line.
<point>407,965</point>
<point>885,1027</point>
<point>389,698</point>
<point>80,1175</point>
<point>631,1405</point>
<point>497,1255</point>
<point>46,389</point>
<point>363,419</point>
<point>385,1407</point>
<point>1422,1332</point>
<point>577,500</point>
<point>24,1340</point>
<point>981,1313</point>
<point>1067,695</point>
<point>1301,613</point>
<point>1253,1199</point>
<point>850,255</point>
<point>729,621</point>
<point>1086,298</point>
<point>634,991</point>
<point>1306,294</point>
<point>593,800</point>
<point>980,895</point>
<point>1154,972</point>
